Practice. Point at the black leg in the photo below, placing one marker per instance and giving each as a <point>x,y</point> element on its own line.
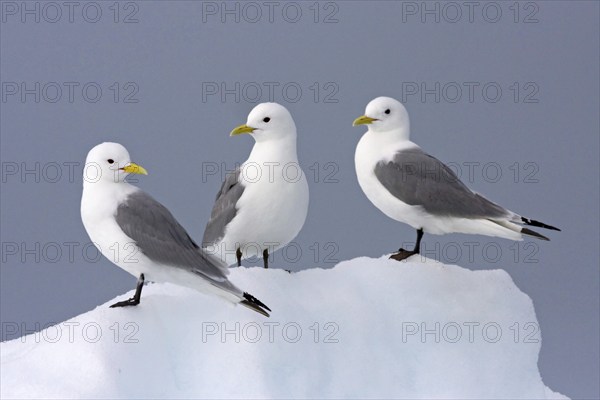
<point>404,254</point>
<point>135,300</point>
<point>417,249</point>
<point>266,258</point>
<point>238,254</point>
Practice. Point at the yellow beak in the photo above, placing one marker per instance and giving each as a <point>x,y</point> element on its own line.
<point>133,168</point>
<point>242,129</point>
<point>363,120</point>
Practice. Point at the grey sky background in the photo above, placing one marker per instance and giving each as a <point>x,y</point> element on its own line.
<point>533,148</point>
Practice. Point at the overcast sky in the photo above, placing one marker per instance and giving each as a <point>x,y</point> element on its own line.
<point>507,94</point>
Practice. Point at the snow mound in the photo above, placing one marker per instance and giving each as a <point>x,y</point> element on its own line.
<point>368,328</point>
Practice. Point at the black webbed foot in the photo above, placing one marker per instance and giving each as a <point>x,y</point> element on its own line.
<point>135,300</point>
<point>402,255</point>
<point>126,303</point>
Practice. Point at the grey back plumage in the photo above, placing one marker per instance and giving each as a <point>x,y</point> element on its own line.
<point>224,209</point>
<point>419,179</point>
<point>163,240</point>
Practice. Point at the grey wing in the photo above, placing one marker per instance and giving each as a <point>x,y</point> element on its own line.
<point>162,239</point>
<point>420,179</point>
<point>225,208</point>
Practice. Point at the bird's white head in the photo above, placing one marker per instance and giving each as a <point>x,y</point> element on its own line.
<point>268,121</point>
<point>384,115</point>
<point>109,162</point>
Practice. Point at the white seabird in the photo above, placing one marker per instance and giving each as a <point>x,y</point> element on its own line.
<point>413,187</point>
<point>140,235</point>
<point>263,204</point>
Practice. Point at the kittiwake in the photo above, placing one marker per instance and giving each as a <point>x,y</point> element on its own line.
<point>413,187</point>
<point>141,236</point>
<point>262,204</point>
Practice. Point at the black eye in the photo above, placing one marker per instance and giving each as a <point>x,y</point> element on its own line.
<point>110,161</point>
<point>266,119</point>
<point>387,111</point>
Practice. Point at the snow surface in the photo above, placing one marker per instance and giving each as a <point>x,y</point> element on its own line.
<point>354,331</point>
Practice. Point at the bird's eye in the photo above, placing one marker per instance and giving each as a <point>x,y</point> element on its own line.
<point>110,161</point>
<point>387,111</point>
<point>266,119</point>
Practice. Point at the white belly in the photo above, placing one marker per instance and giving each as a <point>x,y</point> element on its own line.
<point>271,213</point>
<point>97,214</point>
<point>369,152</point>
<point>121,250</point>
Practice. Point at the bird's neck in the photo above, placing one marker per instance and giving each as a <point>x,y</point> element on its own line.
<point>283,150</point>
<point>390,138</point>
<point>105,190</point>
<point>399,134</point>
<point>377,146</point>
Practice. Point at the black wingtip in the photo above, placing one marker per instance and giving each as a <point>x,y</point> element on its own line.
<point>255,304</point>
<point>533,222</point>
<point>529,232</point>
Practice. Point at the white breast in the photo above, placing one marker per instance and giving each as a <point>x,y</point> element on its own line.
<point>98,209</point>
<point>370,150</point>
<point>273,206</point>
<point>99,204</point>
